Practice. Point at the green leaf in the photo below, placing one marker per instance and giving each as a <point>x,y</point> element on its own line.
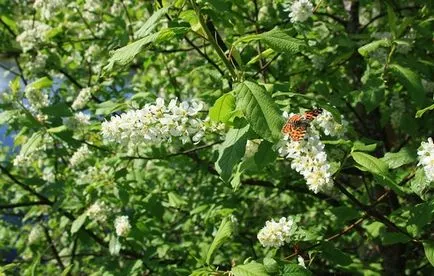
<point>265,54</point>
<point>151,23</point>
<point>32,143</point>
<point>67,270</point>
<point>57,129</point>
<point>411,81</point>
<point>389,238</point>
<point>175,200</point>
<point>265,154</point>
<point>41,83</point>
<point>260,110</point>
<point>250,269</point>
<point>35,263</point>
<point>127,53</point>
<point>400,158</point>
<point>420,184</point>
<point>420,215</point>
<point>223,234</point>
<point>221,111</point>
<point>333,254</point>
<point>114,246</point>
<point>372,46</point>
<point>428,247</point>
<point>295,270</point>
<point>276,39</point>
<point>271,266</point>
<point>371,163</point>
<point>231,151</point>
<point>58,110</point>
<point>344,213</point>
<point>360,146</point>
<point>378,168</point>
<point>78,223</point>
<point>420,112</point>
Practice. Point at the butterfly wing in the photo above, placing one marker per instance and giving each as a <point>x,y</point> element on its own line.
<point>312,114</point>
<point>294,127</point>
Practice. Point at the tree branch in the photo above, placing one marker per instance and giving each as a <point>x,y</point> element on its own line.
<point>22,204</point>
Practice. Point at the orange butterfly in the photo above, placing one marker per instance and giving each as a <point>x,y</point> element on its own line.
<point>297,124</point>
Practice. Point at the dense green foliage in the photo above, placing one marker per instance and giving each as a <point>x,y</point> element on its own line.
<point>196,204</point>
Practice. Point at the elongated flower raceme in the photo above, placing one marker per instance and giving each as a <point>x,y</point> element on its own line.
<point>276,233</point>
<point>426,158</point>
<point>308,155</point>
<point>79,156</point>
<point>157,123</point>
<point>122,226</point>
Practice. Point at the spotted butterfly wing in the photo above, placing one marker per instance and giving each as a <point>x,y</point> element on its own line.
<point>297,124</point>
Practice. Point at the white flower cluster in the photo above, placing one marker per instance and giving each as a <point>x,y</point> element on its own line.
<point>78,121</point>
<point>122,226</point>
<point>34,33</point>
<point>48,7</point>
<point>79,156</point>
<point>329,125</point>
<point>48,175</point>
<point>91,8</point>
<point>35,234</point>
<point>308,155</point>
<point>397,105</point>
<point>36,97</point>
<point>82,98</point>
<point>426,158</point>
<point>299,10</point>
<point>275,234</point>
<point>156,123</point>
<point>97,211</point>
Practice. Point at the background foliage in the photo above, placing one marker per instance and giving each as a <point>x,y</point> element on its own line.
<point>197,208</point>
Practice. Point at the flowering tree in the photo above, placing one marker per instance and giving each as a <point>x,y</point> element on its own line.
<point>211,137</point>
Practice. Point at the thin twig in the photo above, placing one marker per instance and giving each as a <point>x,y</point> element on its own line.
<point>53,248</point>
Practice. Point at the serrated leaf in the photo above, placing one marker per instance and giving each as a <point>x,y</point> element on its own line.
<point>400,158</point>
<point>411,81</point>
<point>271,266</point>
<point>265,54</point>
<point>276,39</point>
<point>223,234</point>
<point>372,46</point>
<point>151,23</point>
<point>231,151</point>
<point>419,184</point>
<point>260,110</point>
<point>222,108</point>
<point>127,53</point>
<point>428,247</point>
<point>250,269</point>
<point>78,223</point>
<point>420,112</point>
<point>295,270</point>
